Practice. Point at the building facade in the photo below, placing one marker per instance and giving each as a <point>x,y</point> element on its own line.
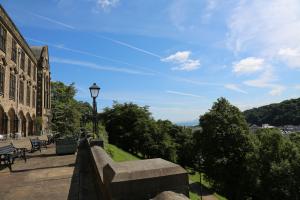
<point>24,82</point>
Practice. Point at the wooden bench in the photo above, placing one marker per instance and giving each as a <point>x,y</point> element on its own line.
<point>8,154</point>
<point>44,139</point>
<point>37,144</point>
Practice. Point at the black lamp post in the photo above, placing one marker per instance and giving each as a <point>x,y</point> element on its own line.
<point>94,89</point>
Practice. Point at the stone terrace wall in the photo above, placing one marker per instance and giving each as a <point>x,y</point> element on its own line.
<point>137,180</point>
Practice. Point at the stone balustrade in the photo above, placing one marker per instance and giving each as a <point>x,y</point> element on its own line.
<point>136,180</point>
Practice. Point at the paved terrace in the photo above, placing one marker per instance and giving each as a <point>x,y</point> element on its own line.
<point>48,176</point>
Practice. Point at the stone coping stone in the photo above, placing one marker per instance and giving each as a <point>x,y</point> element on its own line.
<point>169,195</point>
<point>142,169</point>
<point>101,159</point>
<point>137,180</point>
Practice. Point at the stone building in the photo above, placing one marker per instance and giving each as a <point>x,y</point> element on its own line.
<point>24,82</point>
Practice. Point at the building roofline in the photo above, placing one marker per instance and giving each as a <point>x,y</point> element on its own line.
<point>18,32</point>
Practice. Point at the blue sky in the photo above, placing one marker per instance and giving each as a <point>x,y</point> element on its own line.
<point>176,56</point>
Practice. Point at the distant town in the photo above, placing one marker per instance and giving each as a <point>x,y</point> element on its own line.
<point>286,129</point>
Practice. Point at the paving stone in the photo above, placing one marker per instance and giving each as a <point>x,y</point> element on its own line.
<point>49,177</point>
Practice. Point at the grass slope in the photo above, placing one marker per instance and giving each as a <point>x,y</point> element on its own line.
<point>120,155</point>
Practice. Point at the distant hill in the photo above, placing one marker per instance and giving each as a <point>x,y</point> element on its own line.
<point>194,122</point>
<point>277,114</point>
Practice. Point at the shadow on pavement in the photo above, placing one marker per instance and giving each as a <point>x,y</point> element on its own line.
<point>38,168</point>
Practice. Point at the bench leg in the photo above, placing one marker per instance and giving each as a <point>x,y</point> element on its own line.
<point>9,161</point>
<point>24,155</point>
<point>9,166</point>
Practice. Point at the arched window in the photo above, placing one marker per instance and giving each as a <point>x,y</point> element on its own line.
<point>2,38</point>
<point>21,94</point>
<point>28,95</point>
<point>12,86</point>
<point>2,79</point>
<point>14,50</point>
<point>33,98</point>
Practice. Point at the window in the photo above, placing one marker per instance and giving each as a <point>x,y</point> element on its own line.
<point>33,98</point>
<point>49,93</point>
<point>45,92</point>
<point>34,72</point>
<point>2,38</point>
<point>28,96</point>
<point>14,50</point>
<point>22,60</point>
<point>29,67</point>
<point>12,86</point>
<point>21,90</point>
<point>2,79</point>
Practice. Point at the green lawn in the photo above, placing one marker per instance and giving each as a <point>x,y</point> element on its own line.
<point>120,155</point>
<point>196,178</point>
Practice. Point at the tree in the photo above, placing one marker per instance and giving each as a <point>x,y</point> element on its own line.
<point>120,122</point>
<point>279,166</point>
<point>132,128</point>
<point>225,144</point>
<point>65,113</point>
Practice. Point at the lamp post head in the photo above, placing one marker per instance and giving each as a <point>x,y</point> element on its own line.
<point>94,89</point>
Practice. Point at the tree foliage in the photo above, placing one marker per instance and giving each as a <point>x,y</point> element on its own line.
<point>278,159</point>
<point>263,165</point>
<point>66,111</point>
<point>224,144</point>
<point>133,128</point>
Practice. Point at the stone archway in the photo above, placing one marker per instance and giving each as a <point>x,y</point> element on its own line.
<point>23,124</point>
<point>29,124</point>
<point>33,125</point>
<point>3,121</point>
<point>13,121</point>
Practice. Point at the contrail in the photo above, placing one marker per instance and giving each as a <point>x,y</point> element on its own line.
<point>53,21</point>
<point>129,46</point>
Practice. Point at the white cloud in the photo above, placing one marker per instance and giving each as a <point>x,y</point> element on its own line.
<point>266,80</point>
<point>182,58</point>
<point>248,65</point>
<point>106,5</point>
<point>235,88</point>
<point>297,87</point>
<point>291,56</point>
<point>178,14</point>
<point>211,6</point>
<point>289,52</point>
<point>263,80</point>
<point>266,28</point>
<point>189,65</point>
<point>276,90</point>
<point>183,94</point>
